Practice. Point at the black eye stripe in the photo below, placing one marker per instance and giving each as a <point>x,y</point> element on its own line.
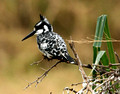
<point>41,26</point>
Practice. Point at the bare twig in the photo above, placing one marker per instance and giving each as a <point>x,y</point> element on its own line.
<point>77,84</point>
<point>78,60</point>
<point>70,89</point>
<point>110,65</point>
<point>44,57</point>
<point>39,79</point>
<point>111,78</point>
<point>37,62</point>
<point>107,88</point>
<point>87,66</point>
<point>87,41</point>
<point>118,58</point>
<point>84,76</point>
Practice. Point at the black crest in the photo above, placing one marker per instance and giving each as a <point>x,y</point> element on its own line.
<point>41,17</point>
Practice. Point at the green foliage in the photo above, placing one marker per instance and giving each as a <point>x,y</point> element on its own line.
<point>102,28</point>
<point>103,57</point>
<point>100,57</point>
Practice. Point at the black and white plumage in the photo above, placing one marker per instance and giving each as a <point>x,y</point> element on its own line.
<point>50,43</point>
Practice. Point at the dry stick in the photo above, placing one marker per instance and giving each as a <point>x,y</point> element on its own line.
<point>70,89</point>
<point>97,81</point>
<point>78,61</point>
<point>110,65</point>
<point>37,62</point>
<point>117,57</point>
<point>110,79</point>
<point>84,76</point>
<point>87,66</point>
<point>44,57</point>
<point>92,41</point>
<point>77,83</point>
<point>93,79</point>
<point>39,79</point>
<point>111,85</point>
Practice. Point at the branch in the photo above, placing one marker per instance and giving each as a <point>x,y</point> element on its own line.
<point>110,86</point>
<point>89,40</point>
<point>117,57</point>
<point>37,62</point>
<point>70,89</point>
<point>110,65</point>
<point>39,79</point>
<point>78,60</point>
<point>87,66</point>
<point>84,76</point>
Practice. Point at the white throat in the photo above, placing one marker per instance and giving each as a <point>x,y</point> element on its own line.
<point>39,31</point>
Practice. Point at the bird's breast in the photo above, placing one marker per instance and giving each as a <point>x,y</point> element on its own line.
<point>44,45</point>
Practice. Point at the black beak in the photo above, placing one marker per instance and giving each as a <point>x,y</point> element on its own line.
<point>29,35</point>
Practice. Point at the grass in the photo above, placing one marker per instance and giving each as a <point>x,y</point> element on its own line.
<point>99,56</point>
<point>102,28</point>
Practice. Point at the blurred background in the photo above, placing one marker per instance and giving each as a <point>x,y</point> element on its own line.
<point>76,18</point>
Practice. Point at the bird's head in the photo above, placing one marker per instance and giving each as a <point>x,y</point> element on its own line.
<point>41,27</point>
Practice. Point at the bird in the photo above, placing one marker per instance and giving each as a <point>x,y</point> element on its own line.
<point>50,43</point>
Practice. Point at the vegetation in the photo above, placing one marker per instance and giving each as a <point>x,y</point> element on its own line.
<point>105,71</point>
<point>76,18</point>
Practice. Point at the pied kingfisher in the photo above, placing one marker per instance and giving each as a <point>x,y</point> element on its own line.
<point>50,43</point>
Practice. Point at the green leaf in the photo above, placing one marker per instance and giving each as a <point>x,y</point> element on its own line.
<point>109,44</point>
<point>102,28</point>
<point>99,31</point>
<point>105,60</point>
<point>98,37</point>
<point>101,55</point>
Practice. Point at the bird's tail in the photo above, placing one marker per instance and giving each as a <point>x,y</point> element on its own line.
<point>70,59</point>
